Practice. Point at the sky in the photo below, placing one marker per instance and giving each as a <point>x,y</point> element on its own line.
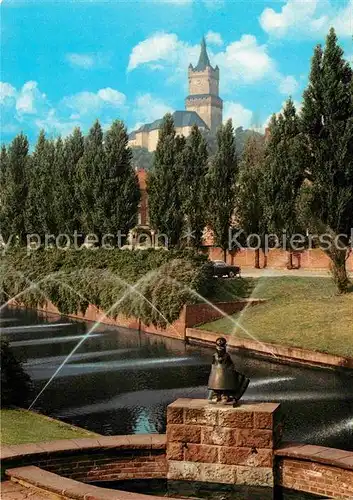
<point>65,63</point>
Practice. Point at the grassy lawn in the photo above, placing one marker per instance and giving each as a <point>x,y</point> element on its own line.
<point>301,311</point>
<point>21,426</point>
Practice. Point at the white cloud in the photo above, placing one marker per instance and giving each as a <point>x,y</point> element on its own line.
<point>85,103</point>
<point>52,124</point>
<point>87,61</point>
<point>288,85</point>
<point>244,60</point>
<point>30,99</point>
<point>84,61</point>
<point>308,17</point>
<point>214,38</point>
<point>158,47</point>
<point>149,108</point>
<point>7,92</point>
<point>241,116</point>
<point>30,106</point>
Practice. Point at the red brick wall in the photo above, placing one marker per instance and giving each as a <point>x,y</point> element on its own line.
<point>139,459</point>
<point>277,259</point>
<point>316,478</point>
<point>197,314</point>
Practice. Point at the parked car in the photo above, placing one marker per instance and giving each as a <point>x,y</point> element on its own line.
<point>221,269</point>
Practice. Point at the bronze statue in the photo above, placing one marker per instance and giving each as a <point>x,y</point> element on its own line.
<point>225,383</point>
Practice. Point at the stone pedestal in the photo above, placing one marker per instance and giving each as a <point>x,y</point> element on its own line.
<point>221,444</point>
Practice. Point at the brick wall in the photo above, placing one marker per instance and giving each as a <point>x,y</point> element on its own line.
<point>116,458</point>
<point>190,315</point>
<point>277,259</point>
<point>221,444</point>
<point>315,469</point>
<point>197,314</point>
<point>316,478</point>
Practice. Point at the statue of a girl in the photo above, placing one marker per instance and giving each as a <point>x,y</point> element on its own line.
<point>225,384</point>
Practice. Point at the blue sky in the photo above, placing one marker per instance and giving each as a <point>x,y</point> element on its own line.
<point>65,63</point>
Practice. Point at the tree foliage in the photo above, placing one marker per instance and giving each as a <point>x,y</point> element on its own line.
<point>89,180</point>
<point>117,200</point>
<point>39,213</point>
<point>192,186</point>
<point>71,280</point>
<point>15,383</point>
<point>283,176</point>
<point>14,179</point>
<point>221,186</point>
<point>249,206</point>
<point>163,184</point>
<point>327,125</point>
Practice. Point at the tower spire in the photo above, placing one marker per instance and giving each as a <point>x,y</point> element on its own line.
<point>203,59</point>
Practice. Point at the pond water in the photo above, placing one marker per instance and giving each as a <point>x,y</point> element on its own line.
<point>120,381</point>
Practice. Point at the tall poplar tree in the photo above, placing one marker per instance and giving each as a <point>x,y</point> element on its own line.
<point>120,195</point>
<point>327,124</point>
<point>40,217</point>
<point>283,177</point>
<point>193,169</point>
<point>163,184</point>
<point>14,187</point>
<point>221,186</point>
<point>74,149</point>
<point>249,208</point>
<point>89,181</point>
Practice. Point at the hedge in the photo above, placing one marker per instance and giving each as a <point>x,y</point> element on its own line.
<point>116,281</point>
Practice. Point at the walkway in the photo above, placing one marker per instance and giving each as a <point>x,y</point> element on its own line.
<point>16,491</point>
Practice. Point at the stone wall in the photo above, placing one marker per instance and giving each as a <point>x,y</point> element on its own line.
<point>316,469</point>
<point>94,459</point>
<point>221,444</point>
<point>314,259</point>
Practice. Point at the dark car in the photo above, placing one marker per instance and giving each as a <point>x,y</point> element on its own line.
<point>221,269</point>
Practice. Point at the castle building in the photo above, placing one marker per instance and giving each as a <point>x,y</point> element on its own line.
<point>203,106</point>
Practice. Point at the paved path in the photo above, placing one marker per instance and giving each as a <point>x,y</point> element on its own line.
<point>257,273</point>
<point>16,491</point>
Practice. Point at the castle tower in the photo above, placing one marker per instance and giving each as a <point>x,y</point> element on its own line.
<point>203,91</point>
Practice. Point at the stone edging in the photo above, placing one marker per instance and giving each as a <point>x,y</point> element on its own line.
<point>133,441</point>
<point>318,454</point>
<point>43,481</point>
<point>276,351</point>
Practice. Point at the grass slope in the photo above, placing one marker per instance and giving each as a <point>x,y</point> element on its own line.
<point>301,312</point>
<point>21,426</point>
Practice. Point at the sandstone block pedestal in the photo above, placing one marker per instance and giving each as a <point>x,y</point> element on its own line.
<point>221,444</point>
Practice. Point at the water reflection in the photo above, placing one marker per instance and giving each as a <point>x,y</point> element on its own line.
<point>120,381</point>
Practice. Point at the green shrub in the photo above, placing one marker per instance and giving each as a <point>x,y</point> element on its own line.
<point>151,285</point>
<point>15,383</point>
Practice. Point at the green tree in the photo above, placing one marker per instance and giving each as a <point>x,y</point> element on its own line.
<point>15,383</point>
<point>163,184</point>
<point>89,181</point>
<point>283,177</point>
<point>327,124</point>
<point>249,207</point>
<point>221,186</point>
<point>142,158</point>
<point>120,195</point>
<point>14,164</point>
<point>40,217</point>
<point>68,178</point>
<point>193,169</point>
